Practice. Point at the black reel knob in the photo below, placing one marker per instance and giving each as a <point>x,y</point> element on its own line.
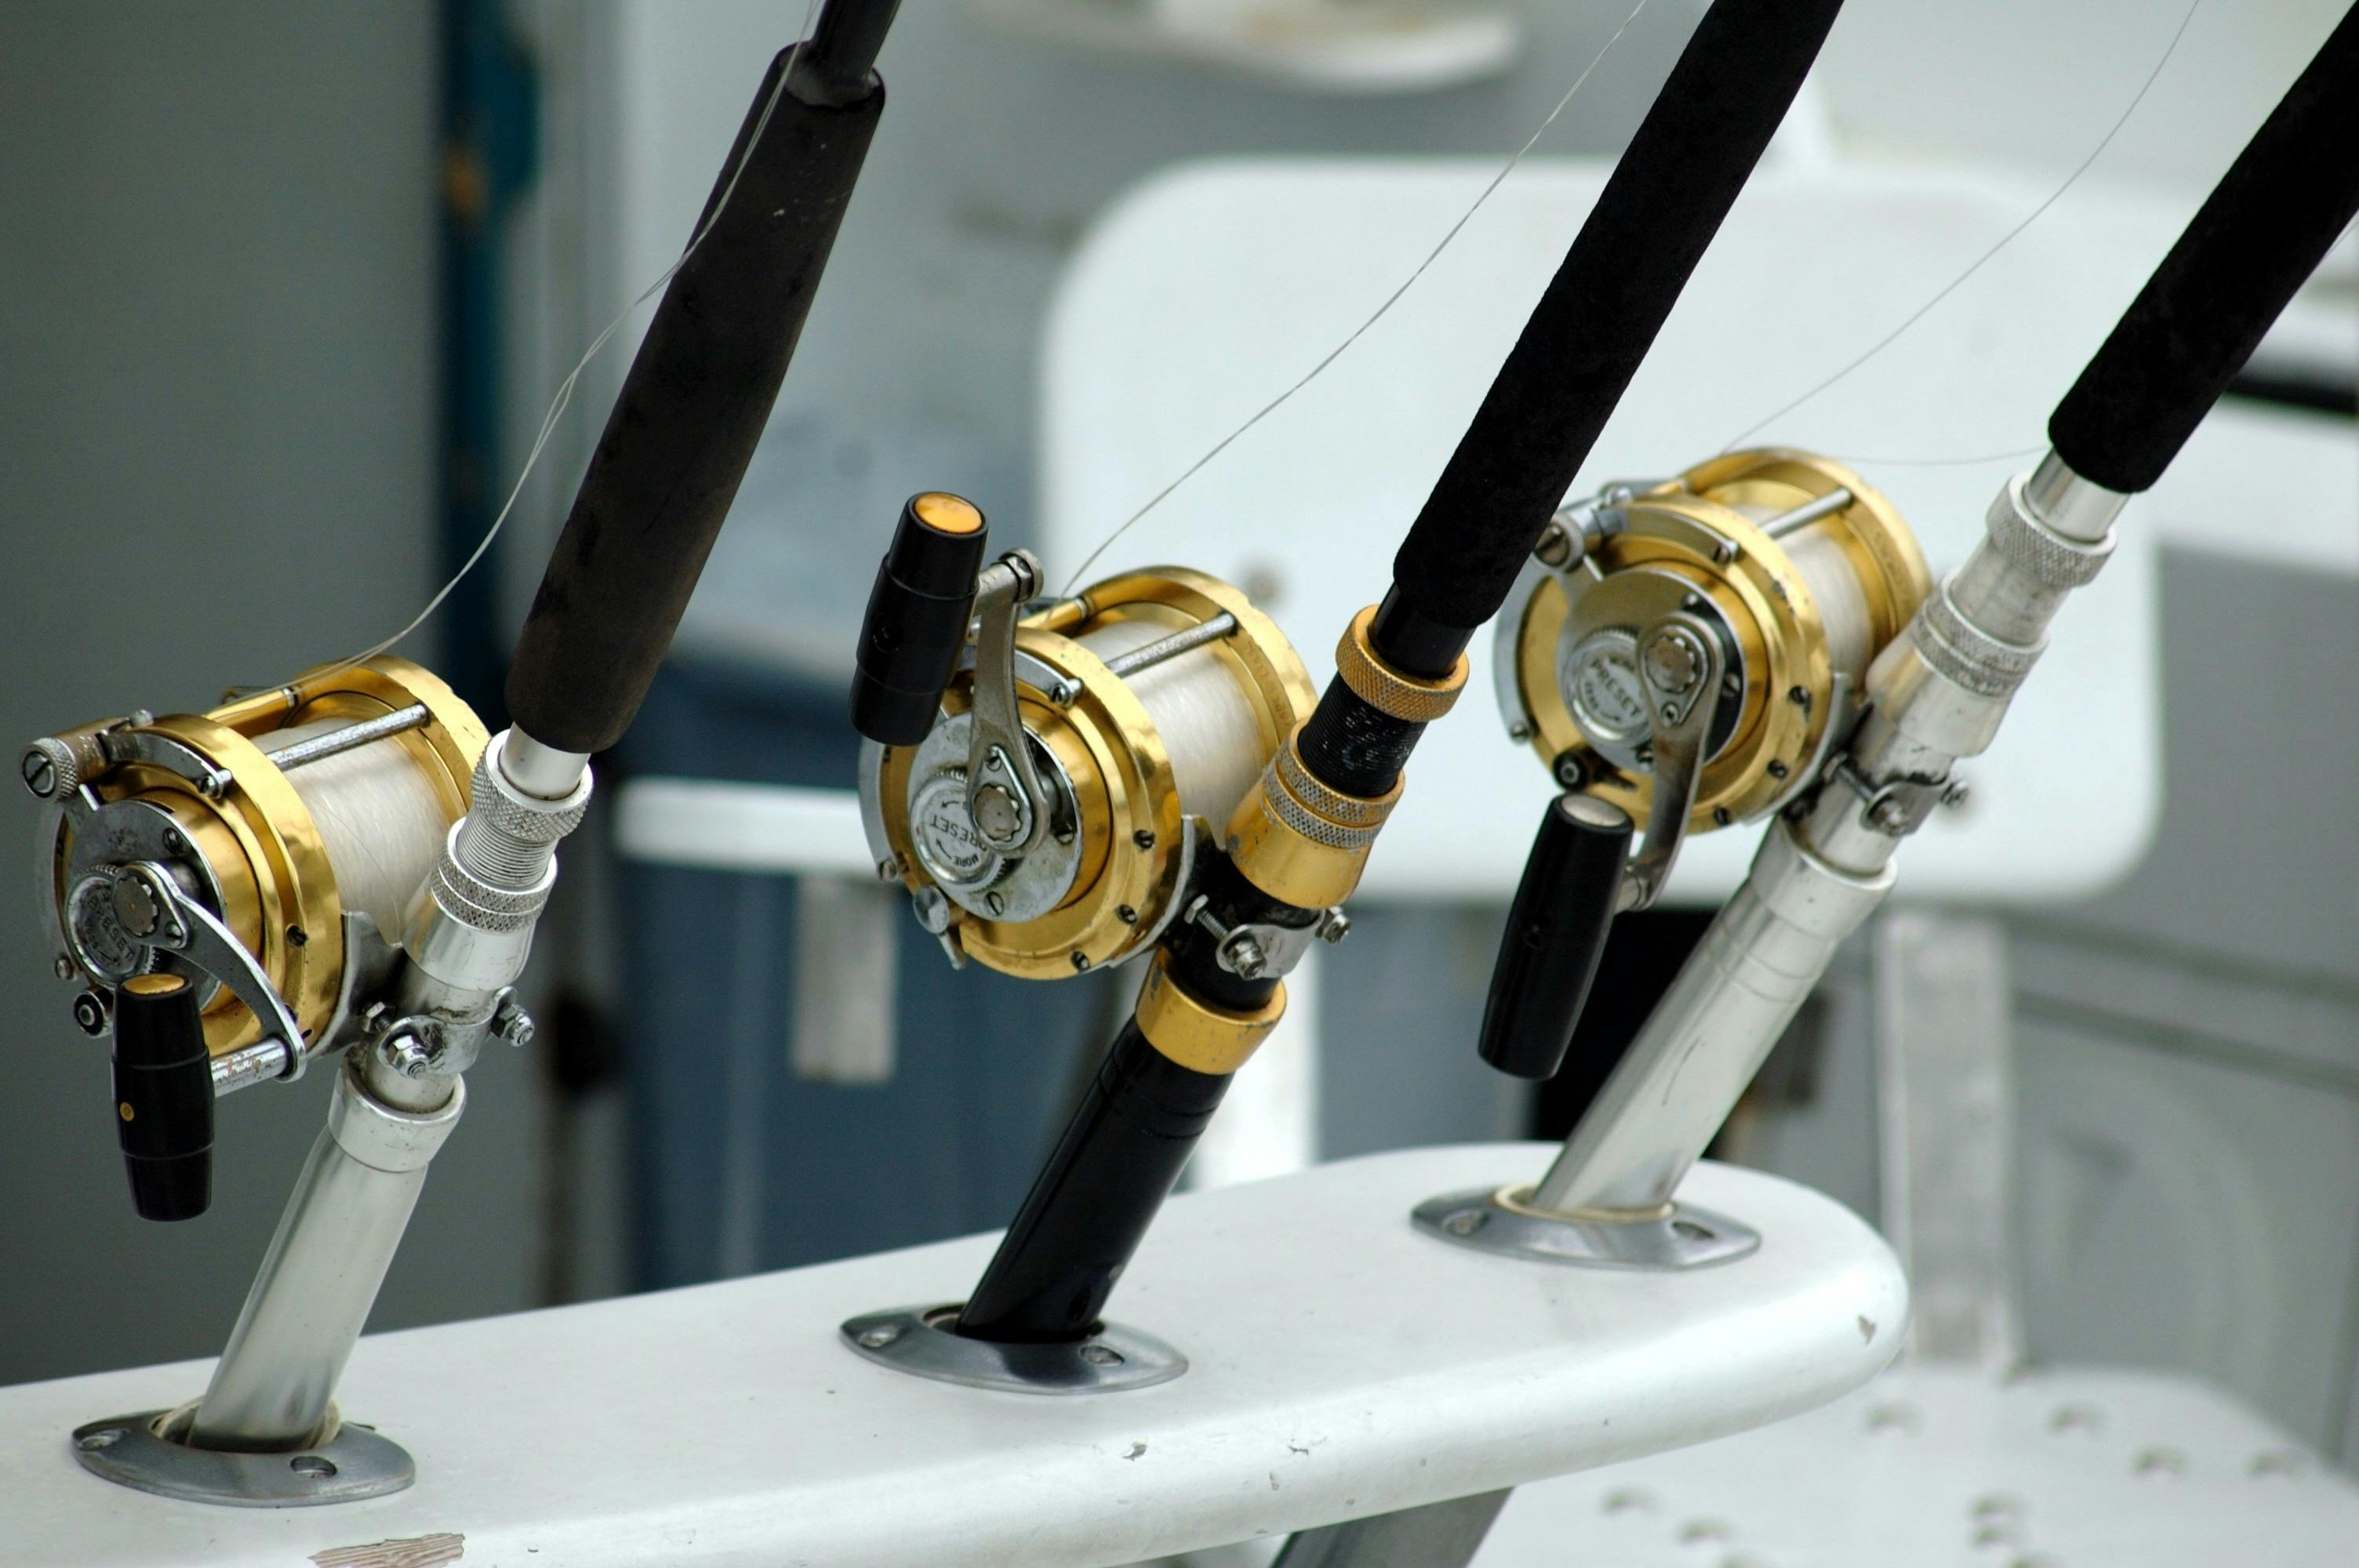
<point>164,1096</point>
<point>917,620</point>
<point>1555,931</point>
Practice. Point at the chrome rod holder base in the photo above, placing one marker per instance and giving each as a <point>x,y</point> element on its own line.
<point>1498,1219</point>
<point>356,1462</point>
<point>922,1342</point>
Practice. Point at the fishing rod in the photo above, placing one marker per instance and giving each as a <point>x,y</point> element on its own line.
<point>1140,773</point>
<point>347,866</point>
<point>1757,639</point>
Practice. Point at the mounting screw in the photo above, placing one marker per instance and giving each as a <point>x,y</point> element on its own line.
<point>889,869</point>
<point>1144,839</point>
<point>1126,914</point>
<point>89,1013</point>
<point>40,768</point>
<point>1334,925</point>
<point>313,1466</point>
<point>174,841</point>
<point>1560,547</point>
<point>1778,770</point>
<point>878,1338</point>
<point>1081,963</point>
<point>1798,697</point>
<point>92,1442</point>
<point>1955,795</point>
<point>994,903</point>
<point>1466,1223</point>
<point>62,967</point>
<point>1719,816</point>
<point>1101,1356</point>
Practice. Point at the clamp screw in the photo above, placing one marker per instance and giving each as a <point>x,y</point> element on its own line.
<point>512,1024</point>
<point>1242,956</point>
<point>1955,795</point>
<point>1334,925</point>
<point>1889,815</point>
<point>407,1055</point>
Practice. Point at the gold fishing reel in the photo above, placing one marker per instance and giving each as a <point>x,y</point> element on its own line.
<point>1773,577</point>
<point>266,851</point>
<point>1048,820</point>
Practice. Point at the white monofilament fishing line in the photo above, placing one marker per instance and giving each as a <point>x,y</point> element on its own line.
<point>1275,404</point>
<point>1973,267</point>
<point>1202,714</point>
<point>380,819</point>
<point>564,397</point>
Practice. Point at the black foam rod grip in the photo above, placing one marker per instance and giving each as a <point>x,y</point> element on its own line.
<point>1665,199</point>
<point>1093,1203</point>
<point>1556,930</point>
<point>2257,236</point>
<point>684,428</point>
<point>164,1096</point>
<point>916,625</point>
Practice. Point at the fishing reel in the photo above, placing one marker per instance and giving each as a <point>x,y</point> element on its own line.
<point>1044,782</point>
<point>249,875</point>
<point>1684,655</point>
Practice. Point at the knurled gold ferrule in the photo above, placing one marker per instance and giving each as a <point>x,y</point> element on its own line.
<point>1385,689</point>
<point>1195,1033</point>
<point>1302,841</point>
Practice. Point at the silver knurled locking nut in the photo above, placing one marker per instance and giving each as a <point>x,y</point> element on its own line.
<point>509,812</point>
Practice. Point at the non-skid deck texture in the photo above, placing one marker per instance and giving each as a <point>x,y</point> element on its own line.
<point>1342,1364</point>
<point>1937,1467</point>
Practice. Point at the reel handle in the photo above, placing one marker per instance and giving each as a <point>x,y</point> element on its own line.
<point>164,1096</point>
<point>696,397</point>
<point>916,619</point>
<point>1555,931</point>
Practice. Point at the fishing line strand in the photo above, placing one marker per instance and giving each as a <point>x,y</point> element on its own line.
<point>2004,240</point>
<point>1390,300</point>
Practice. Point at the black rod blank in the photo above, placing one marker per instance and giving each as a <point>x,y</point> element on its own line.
<point>1093,1203</point>
<point>2256,238</point>
<point>1600,313</point>
<point>692,409</point>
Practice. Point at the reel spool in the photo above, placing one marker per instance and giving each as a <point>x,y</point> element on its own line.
<point>267,852</point>
<point>1798,571</point>
<point>1148,703</point>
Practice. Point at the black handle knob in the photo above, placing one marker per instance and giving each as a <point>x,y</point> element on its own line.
<point>164,1096</point>
<point>1556,929</point>
<point>917,618</point>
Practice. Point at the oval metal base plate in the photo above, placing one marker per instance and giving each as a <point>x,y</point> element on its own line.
<point>355,1464</point>
<point>1495,1220</point>
<point>922,1341</point>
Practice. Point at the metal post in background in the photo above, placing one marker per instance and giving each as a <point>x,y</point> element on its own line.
<point>1945,1124</point>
